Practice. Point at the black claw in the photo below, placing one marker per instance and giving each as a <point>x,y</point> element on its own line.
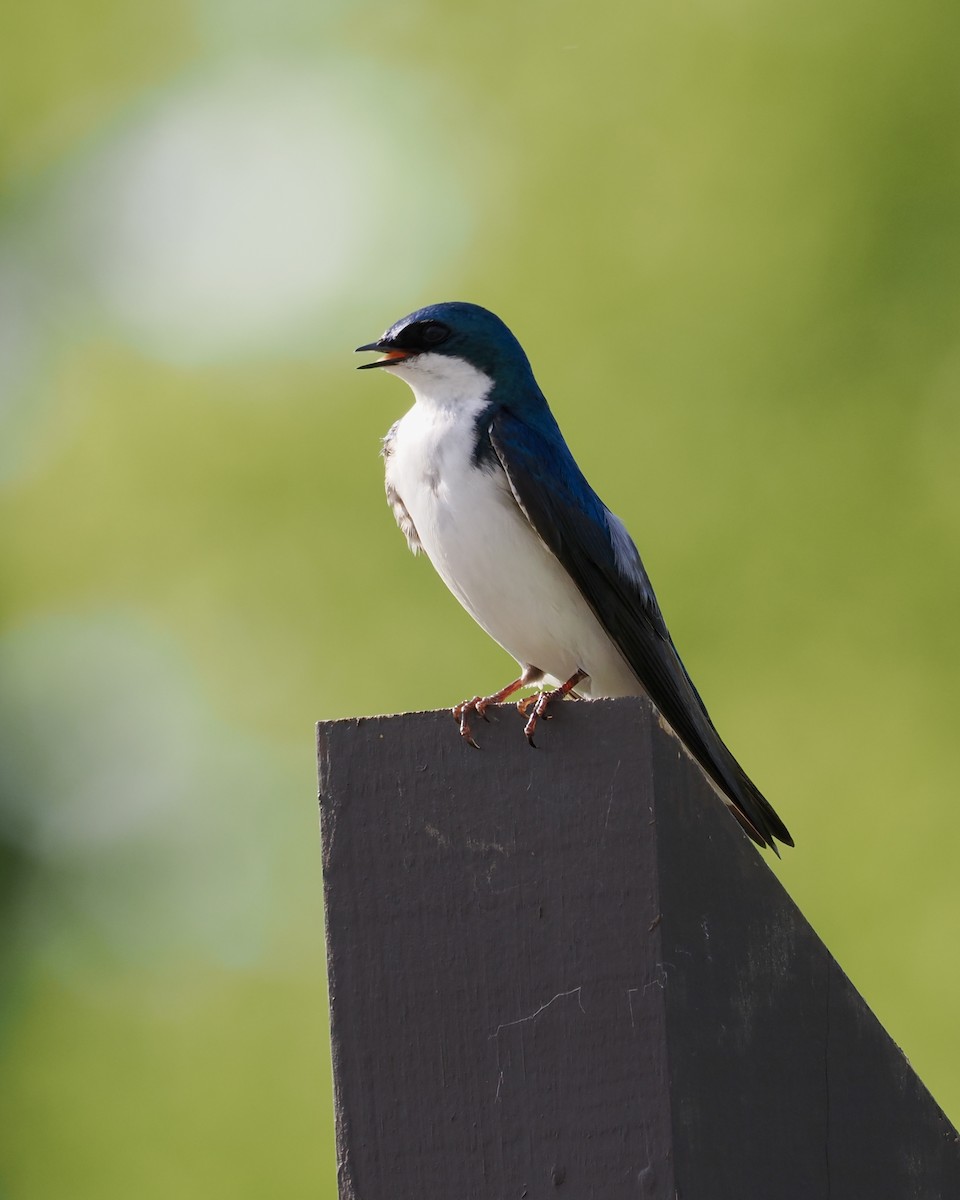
<point>467,735</point>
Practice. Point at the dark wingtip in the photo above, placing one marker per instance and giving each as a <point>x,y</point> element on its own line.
<point>762,825</point>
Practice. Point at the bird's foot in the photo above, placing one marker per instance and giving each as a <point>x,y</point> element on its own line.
<point>540,702</point>
<point>479,705</point>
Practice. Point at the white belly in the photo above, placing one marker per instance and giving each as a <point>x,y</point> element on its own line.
<point>485,551</point>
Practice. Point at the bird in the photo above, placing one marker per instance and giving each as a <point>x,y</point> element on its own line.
<point>481,480</point>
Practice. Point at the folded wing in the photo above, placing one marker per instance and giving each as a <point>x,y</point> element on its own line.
<point>599,556</point>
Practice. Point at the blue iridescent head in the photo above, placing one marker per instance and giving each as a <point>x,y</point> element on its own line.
<point>453,330</point>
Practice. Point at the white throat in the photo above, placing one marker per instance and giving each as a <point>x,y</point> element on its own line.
<point>441,382</point>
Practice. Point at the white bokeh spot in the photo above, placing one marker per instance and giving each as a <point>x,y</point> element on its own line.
<point>232,214</point>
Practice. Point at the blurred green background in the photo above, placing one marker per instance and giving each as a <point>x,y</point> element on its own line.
<point>727,233</point>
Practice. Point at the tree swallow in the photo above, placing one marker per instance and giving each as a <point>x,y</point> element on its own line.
<point>479,478</point>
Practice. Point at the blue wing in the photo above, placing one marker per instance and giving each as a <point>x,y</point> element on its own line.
<point>601,559</point>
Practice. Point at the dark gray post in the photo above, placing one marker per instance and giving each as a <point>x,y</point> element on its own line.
<point>565,972</point>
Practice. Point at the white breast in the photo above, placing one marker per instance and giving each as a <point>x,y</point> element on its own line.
<point>479,541</point>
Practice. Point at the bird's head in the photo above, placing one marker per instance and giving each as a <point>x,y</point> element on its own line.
<point>451,349</point>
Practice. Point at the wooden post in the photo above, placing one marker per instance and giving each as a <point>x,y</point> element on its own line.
<point>565,972</point>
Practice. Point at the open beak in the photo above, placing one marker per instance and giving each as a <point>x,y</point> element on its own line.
<point>390,354</point>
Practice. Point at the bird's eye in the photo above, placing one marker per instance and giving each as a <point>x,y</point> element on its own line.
<point>432,333</point>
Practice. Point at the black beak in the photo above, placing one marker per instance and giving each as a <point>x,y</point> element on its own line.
<point>382,347</point>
